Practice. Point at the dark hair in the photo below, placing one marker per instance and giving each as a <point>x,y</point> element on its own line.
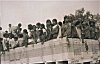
<point>55,20</point>
<point>38,24</point>
<point>25,31</point>
<point>43,26</point>
<point>20,35</point>
<point>0,28</point>
<point>60,23</point>
<point>30,27</point>
<point>65,17</point>
<point>20,24</point>
<point>16,38</point>
<point>11,35</point>
<point>48,21</point>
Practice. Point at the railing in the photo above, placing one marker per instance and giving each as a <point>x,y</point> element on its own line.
<point>54,50</point>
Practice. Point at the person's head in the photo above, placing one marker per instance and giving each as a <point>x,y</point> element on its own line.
<point>19,25</point>
<point>11,36</point>
<point>20,29</point>
<point>54,21</point>
<point>42,26</point>
<point>60,23</point>
<point>20,35</point>
<point>38,25</point>
<point>66,18</point>
<point>0,28</point>
<point>15,38</point>
<point>25,31</point>
<point>6,31</point>
<point>30,27</point>
<point>48,22</point>
<point>34,27</point>
<point>88,13</point>
<point>9,25</point>
<point>5,35</point>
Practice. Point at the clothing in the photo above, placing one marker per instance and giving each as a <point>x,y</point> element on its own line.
<point>55,31</point>
<point>25,39</point>
<point>1,34</point>
<point>59,34</point>
<point>20,40</point>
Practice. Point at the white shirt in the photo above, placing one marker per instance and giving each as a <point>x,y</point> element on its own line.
<point>20,41</point>
<point>1,34</point>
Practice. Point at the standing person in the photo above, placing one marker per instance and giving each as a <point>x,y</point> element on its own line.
<point>49,29</point>
<point>6,42</point>
<point>38,31</point>
<point>66,27</point>
<point>30,28</point>
<point>55,29</point>
<point>1,33</point>
<point>43,33</point>
<point>25,43</point>
<point>34,35</point>
<point>1,47</point>
<point>19,28</point>
<point>10,28</point>
<point>60,30</point>
<point>25,38</point>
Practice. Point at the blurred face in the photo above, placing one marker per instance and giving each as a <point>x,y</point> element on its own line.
<point>15,39</point>
<point>54,23</point>
<point>34,27</point>
<point>66,20</point>
<point>9,25</point>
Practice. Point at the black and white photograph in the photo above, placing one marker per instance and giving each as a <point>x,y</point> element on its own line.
<point>49,31</point>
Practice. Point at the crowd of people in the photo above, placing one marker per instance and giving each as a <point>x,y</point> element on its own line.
<point>82,25</point>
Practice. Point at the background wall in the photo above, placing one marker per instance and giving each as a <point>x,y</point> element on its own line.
<point>28,12</point>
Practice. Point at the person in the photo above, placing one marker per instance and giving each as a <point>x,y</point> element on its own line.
<point>38,31</point>
<point>19,29</point>
<point>66,28</point>
<point>10,28</point>
<point>11,40</point>
<point>49,29</point>
<point>55,29</point>
<point>16,42</point>
<point>43,33</point>
<point>30,28</point>
<point>34,35</point>
<point>20,39</point>
<point>1,47</point>
<point>6,41</point>
<point>25,38</point>
<point>86,30</point>
<point>1,33</point>
<point>60,30</point>
<point>92,28</point>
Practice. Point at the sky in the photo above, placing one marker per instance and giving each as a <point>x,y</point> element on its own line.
<point>32,11</point>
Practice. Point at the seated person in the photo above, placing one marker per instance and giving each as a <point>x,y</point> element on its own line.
<point>11,40</point>
<point>20,39</point>
<point>55,29</point>
<point>16,42</point>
